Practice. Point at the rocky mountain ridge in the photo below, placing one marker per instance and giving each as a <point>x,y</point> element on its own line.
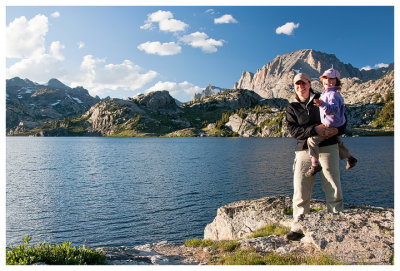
<point>61,110</point>
<point>275,79</point>
<point>29,104</point>
<point>152,114</point>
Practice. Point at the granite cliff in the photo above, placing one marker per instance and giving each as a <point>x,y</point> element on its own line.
<point>275,79</point>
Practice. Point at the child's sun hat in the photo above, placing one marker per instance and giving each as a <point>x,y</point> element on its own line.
<point>331,73</point>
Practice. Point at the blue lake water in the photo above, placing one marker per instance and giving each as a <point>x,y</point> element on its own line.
<point>129,191</point>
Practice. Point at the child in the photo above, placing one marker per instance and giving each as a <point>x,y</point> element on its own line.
<point>331,107</point>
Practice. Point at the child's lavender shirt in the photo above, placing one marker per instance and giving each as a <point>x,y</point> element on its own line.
<point>332,108</point>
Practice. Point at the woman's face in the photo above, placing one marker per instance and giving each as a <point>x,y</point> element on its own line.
<point>302,90</point>
<point>329,82</point>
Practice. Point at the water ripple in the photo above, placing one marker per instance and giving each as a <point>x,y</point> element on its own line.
<point>129,191</point>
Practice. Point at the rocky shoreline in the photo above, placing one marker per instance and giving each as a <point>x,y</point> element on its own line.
<point>358,235</point>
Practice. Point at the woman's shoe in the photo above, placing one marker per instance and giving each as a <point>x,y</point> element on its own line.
<point>351,162</point>
<point>313,170</point>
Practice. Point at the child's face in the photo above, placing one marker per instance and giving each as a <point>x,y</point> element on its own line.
<point>329,82</point>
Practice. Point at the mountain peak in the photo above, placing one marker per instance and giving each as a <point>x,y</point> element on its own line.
<point>54,83</point>
<point>210,90</point>
<point>18,82</point>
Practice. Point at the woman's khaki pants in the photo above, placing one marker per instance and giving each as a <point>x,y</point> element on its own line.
<point>330,178</point>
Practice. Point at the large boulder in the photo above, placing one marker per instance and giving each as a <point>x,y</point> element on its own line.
<point>239,219</point>
<point>356,235</point>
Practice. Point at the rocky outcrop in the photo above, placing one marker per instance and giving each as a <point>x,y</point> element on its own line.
<point>362,235</point>
<point>358,235</point>
<point>354,91</point>
<point>162,253</point>
<point>275,79</point>
<point>263,121</point>
<point>210,90</point>
<point>157,101</point>
<point>239,219</point>
<point>136,115</point>
<point>228,99</point>
<point>105,116</point>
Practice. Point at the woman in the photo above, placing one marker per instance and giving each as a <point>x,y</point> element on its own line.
<point>304,121</point>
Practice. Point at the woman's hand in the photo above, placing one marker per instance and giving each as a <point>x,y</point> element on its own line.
<point>317,102</point>
<point>326,132</point>
<point>331,131</point>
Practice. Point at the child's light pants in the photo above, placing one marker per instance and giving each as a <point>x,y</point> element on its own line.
<point>313,147</point>
<point>330,178</point>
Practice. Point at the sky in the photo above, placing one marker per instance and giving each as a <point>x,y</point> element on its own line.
<point>121,51</point>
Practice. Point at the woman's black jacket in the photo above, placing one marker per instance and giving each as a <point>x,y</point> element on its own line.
<point>302,118</point>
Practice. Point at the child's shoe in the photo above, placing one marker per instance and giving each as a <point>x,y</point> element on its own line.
<point>313,170</point>
<point>351,162</point>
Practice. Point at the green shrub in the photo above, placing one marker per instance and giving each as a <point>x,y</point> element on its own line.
<point>288,211</point>
<point>385,116</point>
<point>58,254</point>
<point>270,229</point>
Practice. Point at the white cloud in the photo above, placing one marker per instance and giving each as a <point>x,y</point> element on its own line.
<point>172,25</point>
<point>287,28</point>
<point>366,68</point>
<point>99,77</point>
<point>26,38</point>
<point>225,19</point>
<point>55,50</point>
<point>147,26</point>
<point>164,49</point>
<point>165,20</point>
<point>55,14</point>
<point>181,91</point>
<point>26,41</point>
<point>42,67</point>
<point>211,11</point>
<point>381,65</point>
<point>160,15</point>
<point>201,40</point>
<point>376,66</point>
<point>81,45</point>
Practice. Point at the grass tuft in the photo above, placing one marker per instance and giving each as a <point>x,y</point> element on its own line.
<point>270,229</point>
<point>251,257</point>
<point>200,243</point>
<point>223,245</point>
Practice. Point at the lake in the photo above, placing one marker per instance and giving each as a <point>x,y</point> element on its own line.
<point>128,191</point>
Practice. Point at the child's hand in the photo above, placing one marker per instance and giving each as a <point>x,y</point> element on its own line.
<point>317,102</point>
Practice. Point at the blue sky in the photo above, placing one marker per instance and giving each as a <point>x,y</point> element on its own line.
<point>122,51</point>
